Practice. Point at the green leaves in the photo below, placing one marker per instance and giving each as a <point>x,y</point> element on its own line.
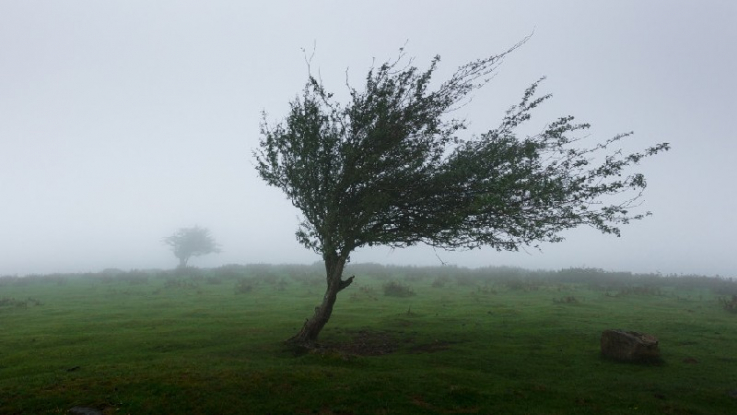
<point>388,168</point>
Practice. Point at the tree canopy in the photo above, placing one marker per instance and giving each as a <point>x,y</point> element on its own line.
<point>189,242</point>
<point>392,167</point>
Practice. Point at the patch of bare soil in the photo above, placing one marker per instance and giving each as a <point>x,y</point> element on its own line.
<point>381,342</point>
<point>368,343</point>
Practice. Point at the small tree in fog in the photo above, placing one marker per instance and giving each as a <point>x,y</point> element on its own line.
<point>189,242</point>
<point>390,167</point>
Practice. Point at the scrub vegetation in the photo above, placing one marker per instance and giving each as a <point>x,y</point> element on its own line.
<point>438,340</point>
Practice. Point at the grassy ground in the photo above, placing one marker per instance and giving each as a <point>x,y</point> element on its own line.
<point>495,341</point>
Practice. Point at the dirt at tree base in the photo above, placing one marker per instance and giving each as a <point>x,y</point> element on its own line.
<point>365,343</point>
<point>379,342</point>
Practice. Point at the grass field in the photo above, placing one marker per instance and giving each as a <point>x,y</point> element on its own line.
<point>448,341</point>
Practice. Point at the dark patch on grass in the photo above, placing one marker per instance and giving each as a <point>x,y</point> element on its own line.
<point>569,299</point>
<point>373,343</point>
<point>645,361</point>
<point>436,346</point>
<point>12,302</point>
<point>366,343</point>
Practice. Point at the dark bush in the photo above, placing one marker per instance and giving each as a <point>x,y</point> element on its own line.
<point>486,290</point>
<point>395,289</point>
<point>569,299</point>
<point>243,286</point>
<point>729,304</point>
<point>12,302</point>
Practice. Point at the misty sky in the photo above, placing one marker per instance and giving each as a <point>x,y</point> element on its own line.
<point>122,121</point>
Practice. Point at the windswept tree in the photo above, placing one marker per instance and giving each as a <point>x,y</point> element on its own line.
<point>189,242</point>
<point>391,167</point>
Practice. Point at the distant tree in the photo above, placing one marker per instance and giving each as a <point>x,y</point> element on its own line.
<point>189,242</point>
<point>389,167</point>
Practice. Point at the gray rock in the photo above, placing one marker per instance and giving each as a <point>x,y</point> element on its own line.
<point>630,346</point>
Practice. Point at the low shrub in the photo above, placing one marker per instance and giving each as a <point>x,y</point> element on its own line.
<point>569,299</point>
<point>522,285</point>
<point>395,289</point>
<point>12,302</point>
<point>243,286</point>
<point>486,290</point>
<point>729,304</point>
<point>439,282</point>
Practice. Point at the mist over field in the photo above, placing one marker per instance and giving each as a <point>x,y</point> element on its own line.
<point>122,122</point>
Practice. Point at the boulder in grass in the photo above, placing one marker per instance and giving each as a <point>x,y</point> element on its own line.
<point>630,346</point>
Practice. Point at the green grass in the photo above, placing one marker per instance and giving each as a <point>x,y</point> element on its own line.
<point>495,341</point>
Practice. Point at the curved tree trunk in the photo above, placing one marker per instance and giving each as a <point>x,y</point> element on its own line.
<point>307,336</point>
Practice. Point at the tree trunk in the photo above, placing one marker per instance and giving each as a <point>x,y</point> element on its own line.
<point>307,336</point>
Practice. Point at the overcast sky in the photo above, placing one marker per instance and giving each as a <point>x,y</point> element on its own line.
<point>122,121</point>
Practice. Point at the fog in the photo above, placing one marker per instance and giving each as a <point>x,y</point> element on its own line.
<point>121,122</point>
